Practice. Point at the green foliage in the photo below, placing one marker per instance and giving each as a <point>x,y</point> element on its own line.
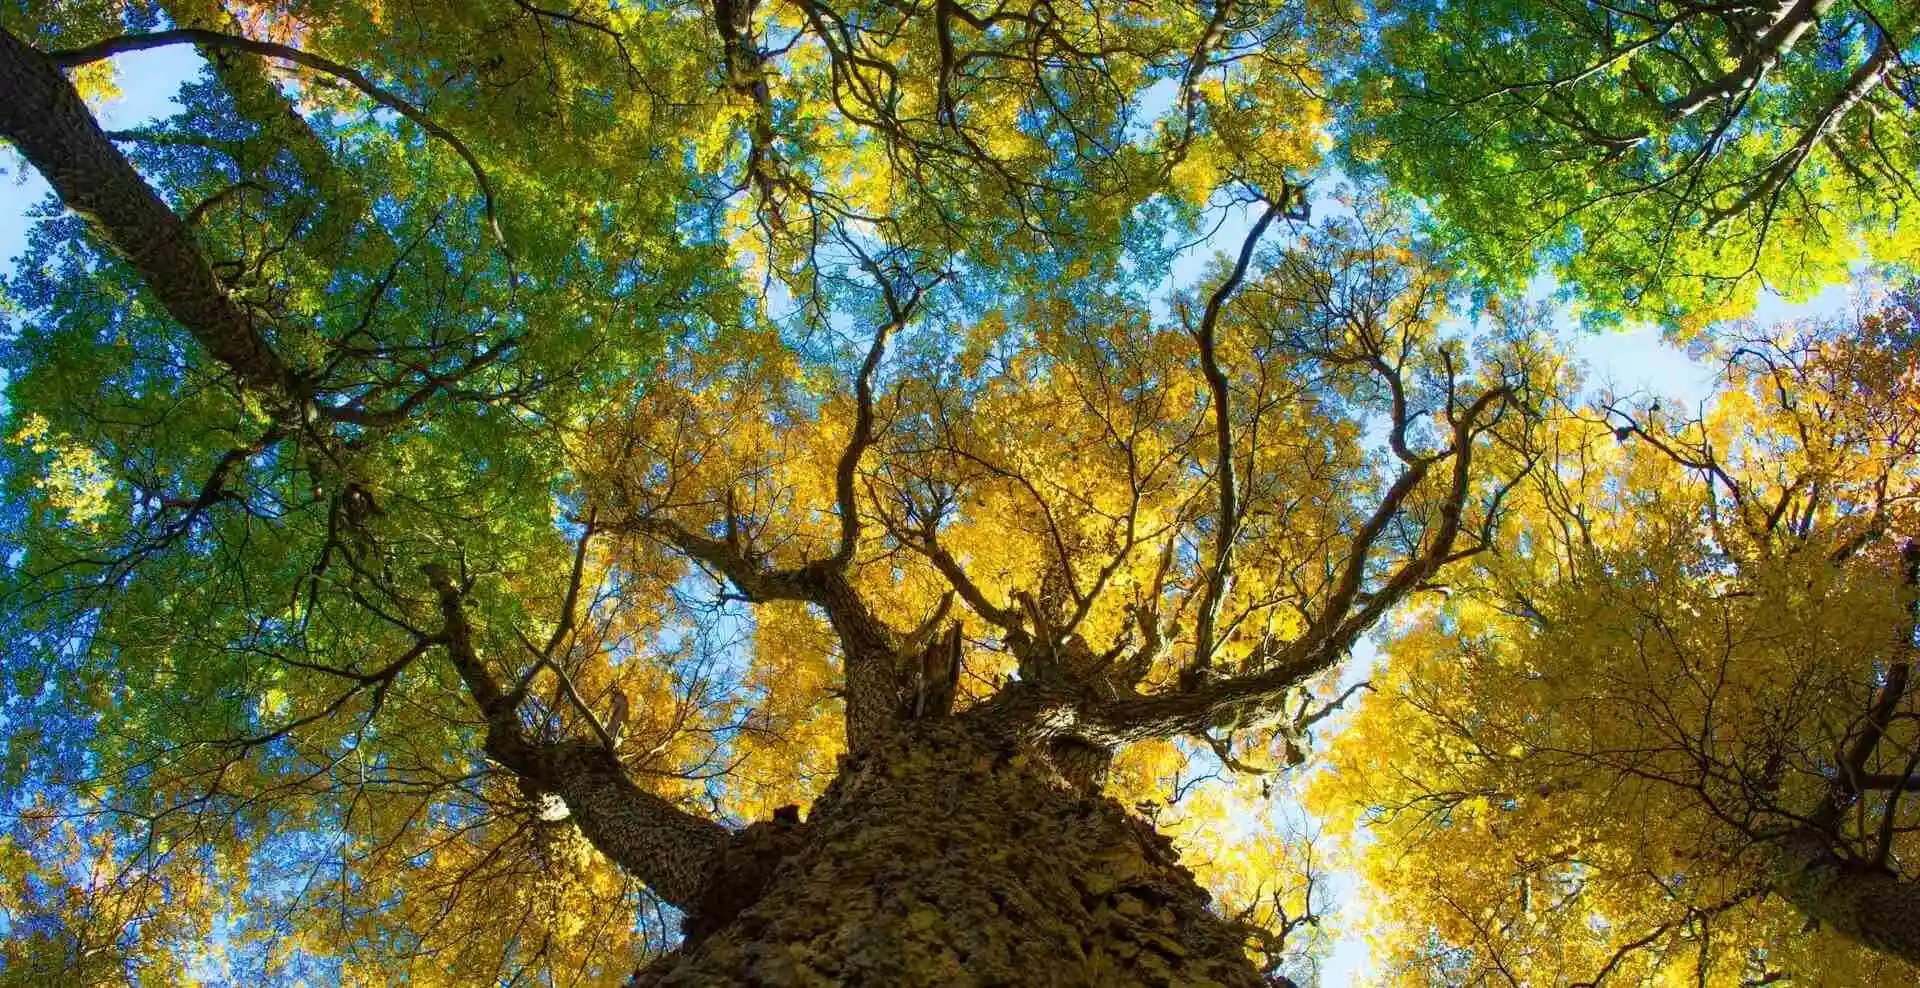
<point>1665,159</point>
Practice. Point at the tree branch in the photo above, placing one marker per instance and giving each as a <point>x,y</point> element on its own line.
<point>845,493</point>
<point>871,650</point>
<point>214,39</point>
<point>1049,709</point>
<point>758,583</point>
<point>1227,526</point>
<point>669,849</point>
<point>1790,21</point>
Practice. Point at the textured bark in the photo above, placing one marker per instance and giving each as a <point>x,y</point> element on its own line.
<point>1774,35</point>
<point>1858,898</point>
<point>46,119</point>
<point>941,858</point>
<point>1874,906</point>
<point>672,851</point>
<point>870,653</point>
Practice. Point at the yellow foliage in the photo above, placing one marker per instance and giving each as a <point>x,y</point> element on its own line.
<point>76,480</point>
<point>1574,765</point>
<point>97,82</point>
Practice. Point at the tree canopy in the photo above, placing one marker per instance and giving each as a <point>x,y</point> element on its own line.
<point>480,473</point>
<point>1666,734</point>
<point>1661,157</point>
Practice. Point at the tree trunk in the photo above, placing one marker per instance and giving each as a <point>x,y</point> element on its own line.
<point>939,857</point>
<point>1872,906</point>
<point>45,118</point>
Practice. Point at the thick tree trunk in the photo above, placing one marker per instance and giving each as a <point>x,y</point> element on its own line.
<point>941,858</point>
<point>1873,906</point>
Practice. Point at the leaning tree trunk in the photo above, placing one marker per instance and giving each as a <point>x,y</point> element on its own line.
<point>940,858</point>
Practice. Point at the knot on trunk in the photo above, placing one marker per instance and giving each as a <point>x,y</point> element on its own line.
<point>742,871</point>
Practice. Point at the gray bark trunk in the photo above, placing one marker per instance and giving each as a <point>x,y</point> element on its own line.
<point>941,858</point>
<point>670,849</point>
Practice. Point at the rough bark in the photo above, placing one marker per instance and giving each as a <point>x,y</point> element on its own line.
<point>674,852</point>
<point>1873,906</point>
<point>47,120</point>
<point>1859,897</point>
<point>939,857</point>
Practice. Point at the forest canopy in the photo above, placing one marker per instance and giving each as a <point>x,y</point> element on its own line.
<point>795,493</point>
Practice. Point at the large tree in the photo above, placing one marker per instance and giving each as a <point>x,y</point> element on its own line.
<point>480,467</point>
<point>507,491</point>
<point>1669,731</point>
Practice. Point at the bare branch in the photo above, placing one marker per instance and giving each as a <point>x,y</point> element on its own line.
<point>1227,524</point>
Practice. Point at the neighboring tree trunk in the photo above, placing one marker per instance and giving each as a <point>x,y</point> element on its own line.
<point>941,858</point>
<point>45,118</point>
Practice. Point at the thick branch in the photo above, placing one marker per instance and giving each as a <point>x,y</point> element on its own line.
<point>1338,629</point>
<point>666,847</point>
<point>871,650</point>
<point>747,74</point>
<point>669,849</point>
<point>846,496</point>
<point>1782,31</point>
<point>1854,760</point>
<point>1871,905</point>
<point>350,76</point>
<point>1005,618</point>
<point>1862,900</point>
<point>1227,525</point>
<point>758,583</point>
<point>1859,86</point>
<point>1887,782</point>
<point>1212,38</point>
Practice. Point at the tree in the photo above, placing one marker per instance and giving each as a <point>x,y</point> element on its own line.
<point>1666,157</point>
<point>482,466</point>
<point>1669,732</point>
